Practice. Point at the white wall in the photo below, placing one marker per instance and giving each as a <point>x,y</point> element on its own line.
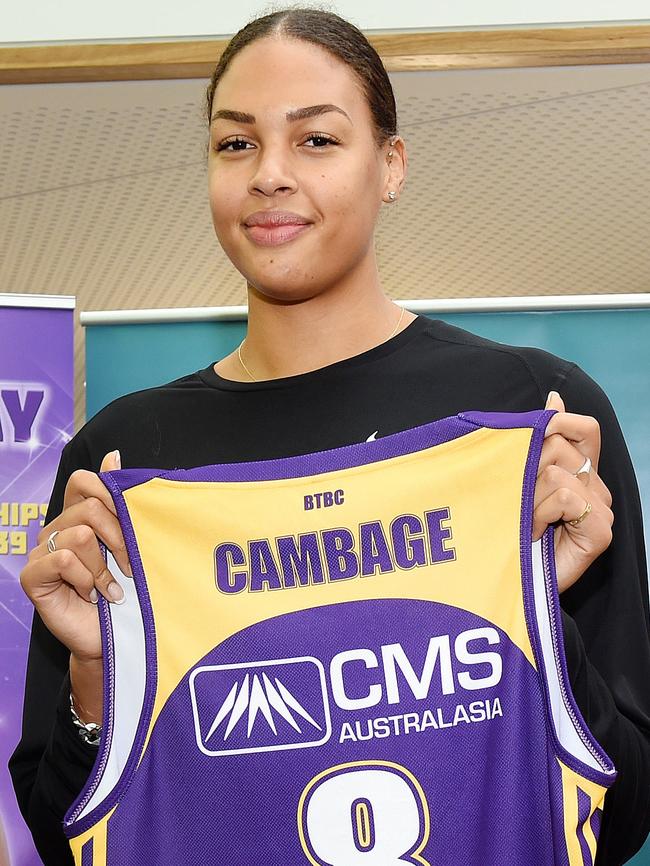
<point>45,20</point>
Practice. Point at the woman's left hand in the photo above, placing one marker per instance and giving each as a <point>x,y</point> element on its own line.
<point>563,495</point>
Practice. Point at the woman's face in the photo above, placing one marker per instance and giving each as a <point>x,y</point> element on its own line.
<point>292,149</point>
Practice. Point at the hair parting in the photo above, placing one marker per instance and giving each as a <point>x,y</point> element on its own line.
<point>335,35</point>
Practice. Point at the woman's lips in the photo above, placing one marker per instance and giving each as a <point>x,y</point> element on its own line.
<point>271,236</point>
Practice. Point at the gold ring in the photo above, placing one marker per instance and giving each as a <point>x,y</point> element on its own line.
<point>51,546</point>
<point>582,516</point>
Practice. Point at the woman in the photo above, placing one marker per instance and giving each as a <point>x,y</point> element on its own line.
<point>304,152</point>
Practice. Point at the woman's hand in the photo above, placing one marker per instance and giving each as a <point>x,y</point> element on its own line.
<point>563,495</point>
<point>63,585</point>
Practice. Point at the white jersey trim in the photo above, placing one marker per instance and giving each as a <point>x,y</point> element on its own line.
<point>129,684</point>
<point>564,726</point>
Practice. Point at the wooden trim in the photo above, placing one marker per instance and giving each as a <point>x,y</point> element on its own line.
<point>457,49</point>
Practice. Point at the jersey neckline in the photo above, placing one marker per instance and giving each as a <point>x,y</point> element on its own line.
<point>214,380</point>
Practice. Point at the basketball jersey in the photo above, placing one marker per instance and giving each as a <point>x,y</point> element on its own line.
<point>352,657</point>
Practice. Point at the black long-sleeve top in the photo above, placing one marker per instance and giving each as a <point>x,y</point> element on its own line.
<point>428,371</point>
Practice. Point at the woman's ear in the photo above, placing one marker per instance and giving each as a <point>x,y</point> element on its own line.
<point>396,165</point>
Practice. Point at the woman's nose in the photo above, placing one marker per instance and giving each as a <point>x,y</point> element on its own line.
<point>272,174</point>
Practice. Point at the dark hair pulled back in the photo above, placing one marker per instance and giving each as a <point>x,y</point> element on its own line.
<point>335,35</point>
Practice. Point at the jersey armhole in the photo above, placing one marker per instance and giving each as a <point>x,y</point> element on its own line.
<point>129,684</point>
<point>575,745</point>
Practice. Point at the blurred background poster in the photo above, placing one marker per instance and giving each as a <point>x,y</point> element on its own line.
<point>36,420</point>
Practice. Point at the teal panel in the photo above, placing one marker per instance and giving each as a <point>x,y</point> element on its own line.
<point>612,346</point>
<point>125,358</point>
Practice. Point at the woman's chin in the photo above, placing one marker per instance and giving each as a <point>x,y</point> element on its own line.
<point>285,291</point>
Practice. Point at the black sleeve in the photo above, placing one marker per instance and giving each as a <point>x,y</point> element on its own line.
<point>50,764</point>
<point>607,638</point>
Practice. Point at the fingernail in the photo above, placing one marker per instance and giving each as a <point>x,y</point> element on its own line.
<point>115,592</point>
<point>118,459</point>
<point>551,394</point>
<point>92,595</point>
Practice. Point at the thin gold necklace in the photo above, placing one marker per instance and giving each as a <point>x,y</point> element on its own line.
<point>399,321</point>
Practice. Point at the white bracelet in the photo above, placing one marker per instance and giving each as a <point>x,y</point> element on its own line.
<point>90,733</point>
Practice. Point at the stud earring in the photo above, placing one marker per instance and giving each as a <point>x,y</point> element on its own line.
<point>392,195</point>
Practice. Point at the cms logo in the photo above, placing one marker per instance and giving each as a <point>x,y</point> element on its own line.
<point>263,706</point>
<point>362,678</point>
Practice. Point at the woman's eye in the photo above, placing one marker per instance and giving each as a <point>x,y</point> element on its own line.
<point>320,140</point>
<point>233,146</point>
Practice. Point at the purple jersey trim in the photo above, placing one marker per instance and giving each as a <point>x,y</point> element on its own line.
<point>99,766</point>
<point>605,778</point>
<point>584,809</point>
<point>73,826</point>
<point>596,817</point>
<point>87,853</point>
<point>508,420</point>
<point>601,777</point>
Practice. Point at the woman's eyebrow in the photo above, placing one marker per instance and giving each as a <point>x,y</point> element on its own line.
<point>296,114</point>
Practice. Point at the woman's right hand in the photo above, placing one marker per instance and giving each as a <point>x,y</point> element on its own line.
<point>63,585</point>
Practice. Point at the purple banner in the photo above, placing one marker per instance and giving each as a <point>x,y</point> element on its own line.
<point>36,420</point>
